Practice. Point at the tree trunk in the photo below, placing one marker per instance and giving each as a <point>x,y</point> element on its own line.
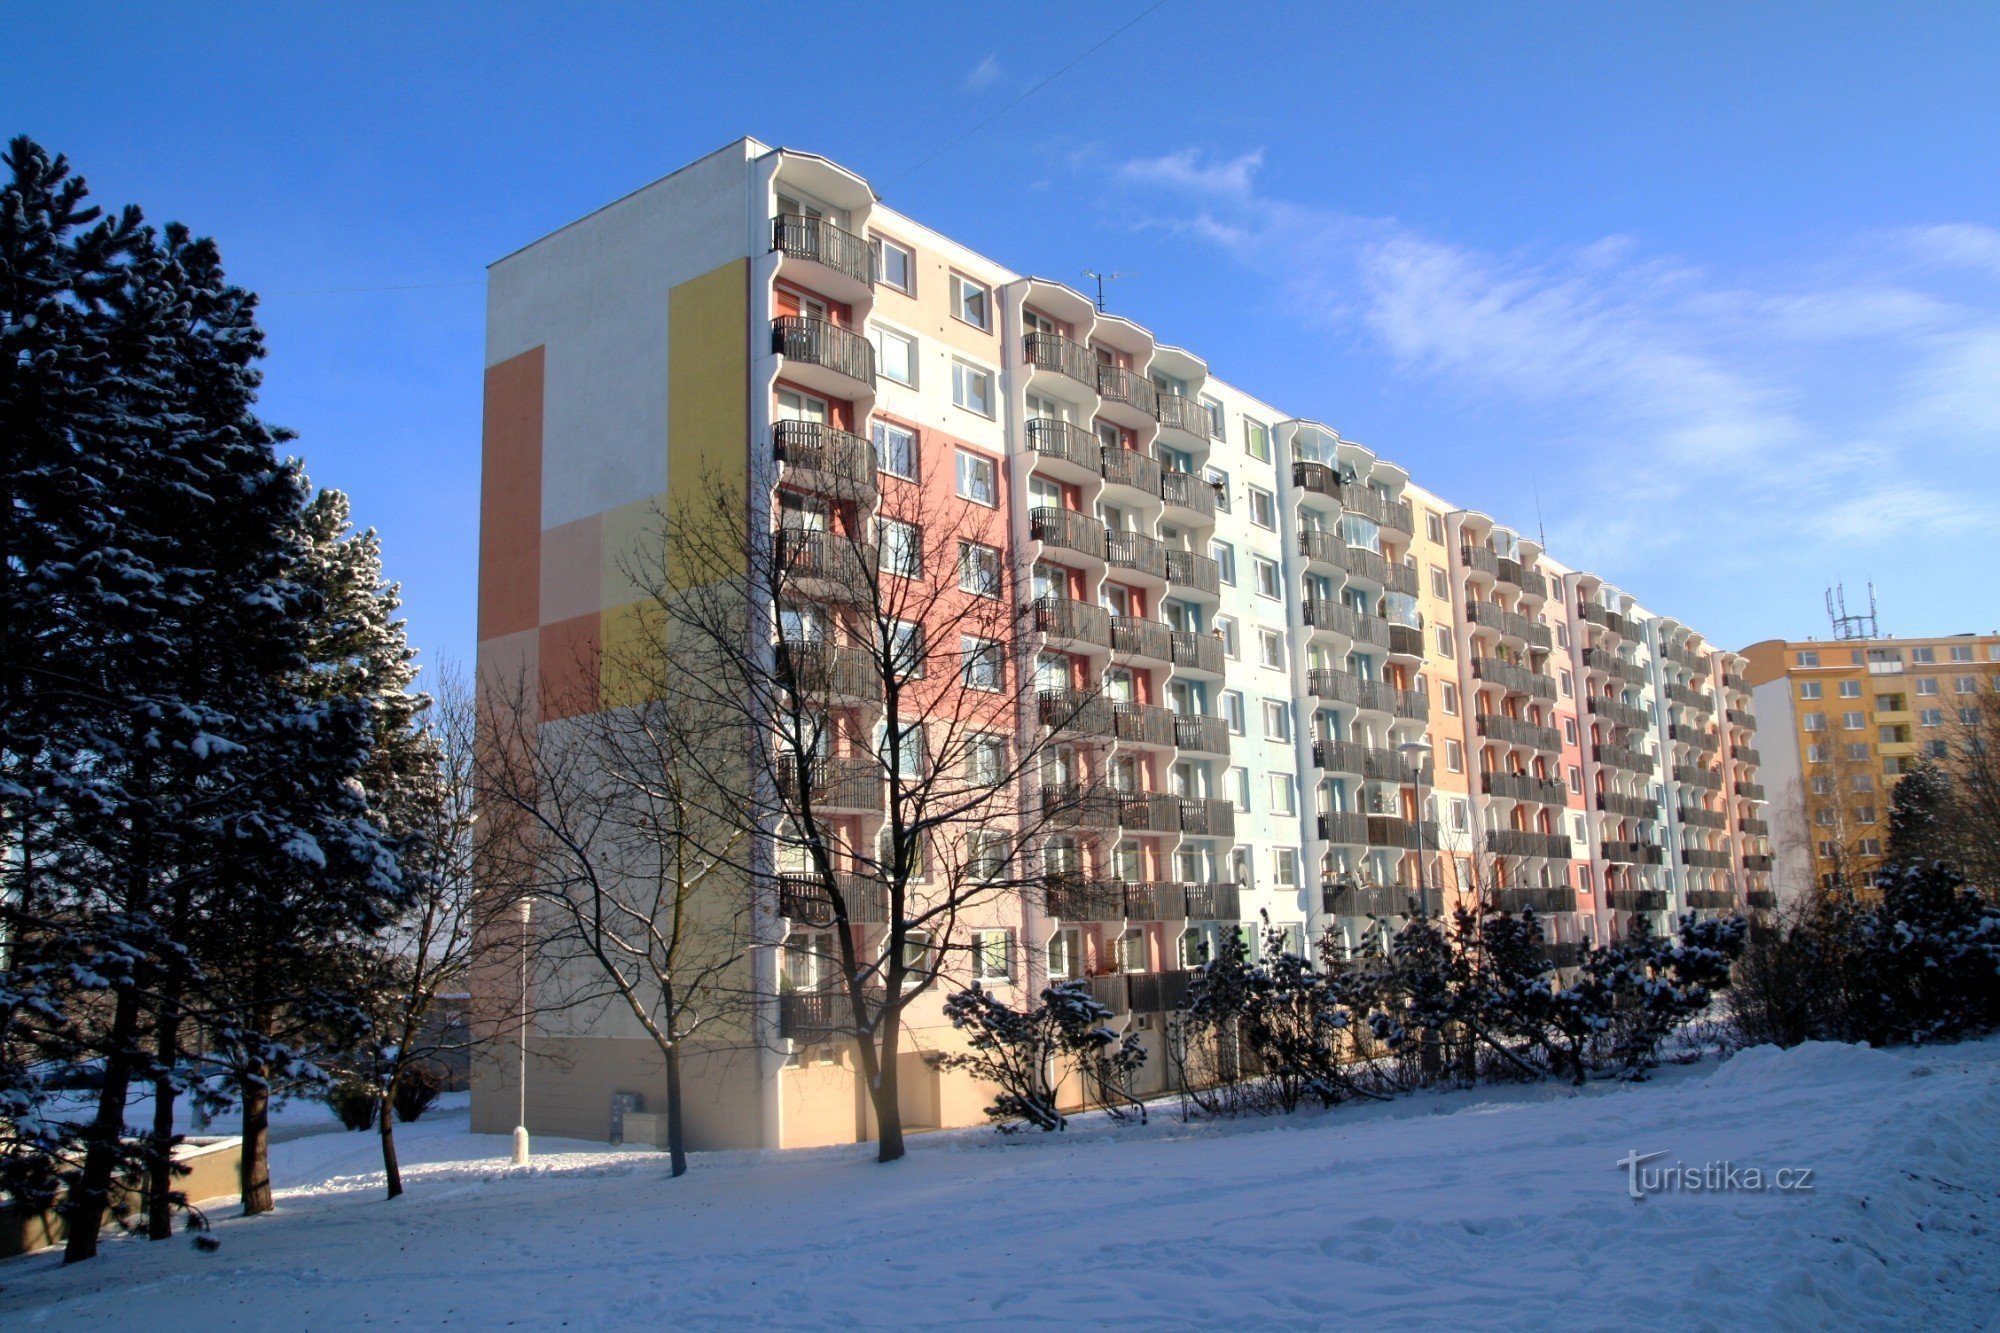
<point>888,1106</point>
<point>256,1172</point>
<point>160,1146</point>
<point>385,1125</point>
<point>84,1215</point>
<point>676,1131</point>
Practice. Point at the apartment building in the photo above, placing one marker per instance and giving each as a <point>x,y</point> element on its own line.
<point>1337,696</point>
<point>1851,715</point>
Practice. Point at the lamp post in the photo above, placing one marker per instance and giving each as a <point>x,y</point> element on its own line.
<point>1417,753</point>
<point>521,1124</point>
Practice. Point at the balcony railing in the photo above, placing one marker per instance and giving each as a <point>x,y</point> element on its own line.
<point>1732,681</point>
<point>1377,900</point>
<point>1137,552</point>
<point>1317,478</point>
<point>1068,618</point>
<point>1742,717</point>
<point>1696,817</point>
<point>817,1014</point>
<point>1711,900</point>
<point>1185,414</point>
<point>1184,490</point>
<point>1204,816</point>
<point>1618,713</point>
<point>1144,724</point>
<point>1323,546</point>
<point>1197,651</point>
<point>1129,467</point>
<point>1368,502</point>
<point>1048,351</point>
<point>1618,756</point>
<point>1410,705</point>
<point>1211,902</point>
<point>1362,563</point>
<point>1628,807</point>
<point>1604,618</point>
<point>1518,731</point>
<point>1761,900</point>
<point>1068,897</point>
<point>1185,569</point>
<point>1701,738</point>
<point>1118,385</point>
<point>817,342</point>
<point>1480,559</point>
<point>1638,900</point>
<point>804,898</point>
<point>1603,659</point>
<point>1149,812</point>
<point>1072,805</point>
<point>1686,658</point>
<point>1134,636</point>
<point>1561,953</point>
<point>1759,861</point>
<point>1405,640</point>
<point>1703,858</point>
<point>1524,787</point>
<point>1403,579</point>
<point>1532,582</point>
<point>1514,678</point>
<point>1632,853</point>
<point>1349,827</point>
<point>1508,623</point>
<point>1069,529</point>
<point>1527,842</point>
<point>1075,712</point>
<point>1693,775</point>
<point>1688,697</point>
<point>1395,831</point>
<point>1204,735</point>
<point>822,242</point>
<point>1747,754</point>
<point>819,457</point>
<point>1755,828</point>
<point>814,668</point>
<point>1158,992</point>
<point>843,567</point>
<point>1326,613</point>
<point>1050,438</point>
<point>1750,791</point>
<point>1543,901</point>
<point>835,782</point>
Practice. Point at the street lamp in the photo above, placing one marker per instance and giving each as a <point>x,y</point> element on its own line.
<point>1418,753</point>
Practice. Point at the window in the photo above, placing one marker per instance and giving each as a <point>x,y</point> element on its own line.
<point>1239,788</point>
<point>1065,955</point>
<point>988,850</point>
<point>1822,785</point>
<point>971,302</point>
<point>978,569</point>
<point>1454,757</point>
<point>896,450</point>
<point>1852,721</point>
<point>1575,778</point>
<point>1460,815</point>
<point>1961,652</point>
<point>1567,684</point>
<point>1809,689</point>
<point>1809,659</point>
<point>1219,479</point>
<point>1232,711</point>
<point>1216,421</point>
<point>1442,634</point>
<point>1927,685</point>
<point>1814,722</point>
<point>986,760</point>
<point>916,954</point>
<point>895,355</point>
<point>1284,800</point>
<point>1964,685</point>
<point>1267,577</point>
<point>993,954</point>
<point>1224,556</point>
<point>1864,814</point>
<point>906,649</point>
<point>1817,754</point>
<point>1850,689</point>
<point>1263,508</point>
<point>1285,867</point>
<point>1569,730</point>
<point>1937,749</point>
<point>1434,528</point>
<point>1857,751</point>
<point>985,667</point>
<point>972,388</point>
<point>1225,630</point>
<point>895,265</point>
<point>1271,648</point>
<point>1448,698</point>
<point>902,548</point>
<point>809,959</point>
<point>1257,440</point>
<point>1132,951</point>
<point>1931,717</point>
<point>1923,656</point>
<point>1968,716</point>
<point>978,479</point>
<point>1277,721</point>
<point>1440,584</point>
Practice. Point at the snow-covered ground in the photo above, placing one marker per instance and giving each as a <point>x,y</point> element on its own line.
<point>1492,1208</point>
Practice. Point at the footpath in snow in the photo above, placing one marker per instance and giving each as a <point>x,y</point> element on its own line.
<point>1489,1208</point>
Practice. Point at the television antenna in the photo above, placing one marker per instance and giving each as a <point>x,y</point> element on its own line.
<point>1101,279</point>
<point>1857,625</point>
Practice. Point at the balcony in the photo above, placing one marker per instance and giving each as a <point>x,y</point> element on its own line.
<point>1201,735</point>
<point>1544,902</point>
<point>1508,624</point>
<point>829,566</point>
<point>1068,530</point>
<point>1328,614</point>
<point>853,784</point>
<point>1695,817</point>
<point>1603,659</point>
<point>1346,827</point>
<point>1703,858</point>
<point>1128,389</point>
<point>1194,573</point>
<point>1689,697</point>
<point>1711,900</point>
<point>1405,640</point>
<point>1754,828</point>
<point>1071,805</point>
<point>1531,582</point>
<point>1561,953</point>
<point>1157,992</point>
<point>1144,724</point>
<point>825,461</point>
<point>1184,490</point>
<point>1761,900</point>
<point>823,355</point>
<point>1075,713</point>
<point>1362,563</point>
<point>1071,897</point>
<point>1148,812</point>
<point>1321,547</point>
<point>804,898</point>
<point>1524,787</point>
<point>1186,416</point>
<point>1618,713</point>
<point>1701,738</point>
<point>1130,468</point>
<point>1207,817</point>
<point>1073,621</point>
<point>1750,791</point>
<point>1742,717</point>
<point>1619,757</point>
<point>1395,831</point>
<point>1732,681</point>
<point>1514,678</point>
<point>1685,658</point>
<point>816,669</point>
<point>1527,842</point>
<point>1628,807</point>
<point>1377,900</point>
<point>1370,503</point>
<point>809,1015</point>
<point>1693,775</point>
<point>1061,442</point>
<point>1195,651</point>
<point>1403,579</point>
<point>1133,637</point>
<point>1638,900</point>
<point>1048,351</point>
<point>1518,731</point>
<point>1747,754</point>
<point>1594,613</point>
<point>1137,553</point>
<point>1758,861</point>
<point>820,242</point>
<point>1480,560</point>
<point>1210,902</point>
<point>1410,705</point>
<point>1631,853</point>
<point>1315,478</point>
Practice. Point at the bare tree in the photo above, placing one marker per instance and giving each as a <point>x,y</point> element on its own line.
<point>1840,805</point>
<point>1971,763</point>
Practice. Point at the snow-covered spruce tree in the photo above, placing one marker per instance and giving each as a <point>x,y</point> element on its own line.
<point>1919,818</point>
<point>1027,1055</point>
<point>1653,985</point>
<point>1406,1002</point>
<point>1929,958</point>
<point>1294,1029</point>
<point>1205,1037</point>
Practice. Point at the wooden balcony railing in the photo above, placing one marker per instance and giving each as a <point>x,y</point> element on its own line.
<point>819,342</point>
<point>820,241</point>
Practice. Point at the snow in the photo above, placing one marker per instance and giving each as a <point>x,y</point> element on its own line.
<point>1501,1207</point>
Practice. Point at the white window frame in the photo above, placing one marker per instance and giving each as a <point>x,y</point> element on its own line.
<point>962,458</point>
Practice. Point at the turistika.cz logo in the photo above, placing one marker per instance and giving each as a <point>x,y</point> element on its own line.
<point>1709,1177</point>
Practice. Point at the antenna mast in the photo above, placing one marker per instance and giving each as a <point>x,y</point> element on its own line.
<point>1101,279</point>
<point>1857,625</point>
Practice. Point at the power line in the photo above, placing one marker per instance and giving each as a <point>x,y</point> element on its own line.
<point>1101,43</point>
<point>344,291</point>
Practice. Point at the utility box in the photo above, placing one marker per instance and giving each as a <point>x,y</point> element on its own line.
<point>622,1105</point>
<point>647,1127</point>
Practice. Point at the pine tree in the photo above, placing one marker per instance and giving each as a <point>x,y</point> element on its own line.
<point>1919,817</point>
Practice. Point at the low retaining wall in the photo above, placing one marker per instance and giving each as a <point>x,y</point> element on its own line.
<point>214,1172</point>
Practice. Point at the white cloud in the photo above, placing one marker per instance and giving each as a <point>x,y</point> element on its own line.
<point>983,75</point>
<point>1184,171</point>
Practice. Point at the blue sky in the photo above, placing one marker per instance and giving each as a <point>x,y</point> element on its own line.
<point>1719,283</point>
